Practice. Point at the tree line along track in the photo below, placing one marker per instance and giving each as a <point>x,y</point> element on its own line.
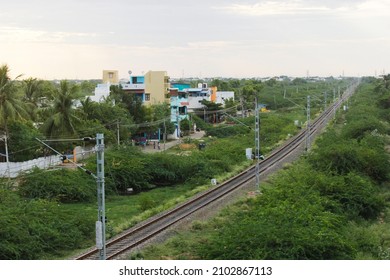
<point>152,227</point>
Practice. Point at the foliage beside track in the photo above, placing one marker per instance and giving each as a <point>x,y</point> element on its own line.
<point>332,204</point>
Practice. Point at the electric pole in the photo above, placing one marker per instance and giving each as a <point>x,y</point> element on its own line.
<point>308,124</point>
<point>334,100</point>
<point>7,156</point>
<point>101,222</point>
<point>165,133</point>
<point>257,143</point>
<point>325,96</point>
<point>117,132</point>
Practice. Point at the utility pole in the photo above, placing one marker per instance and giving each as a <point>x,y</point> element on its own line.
<point>325,96</point>
<point>242,107</point>
<point>101,222</point>
<point>308,124</point>
<point>257,144</point>
<point>334,100</point>
<point>7,156</point>
<point>178,124</point>
<point>165,133</point>
<point>117,131</point>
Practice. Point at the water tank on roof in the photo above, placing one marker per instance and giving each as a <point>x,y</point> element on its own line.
<point>199,85</point>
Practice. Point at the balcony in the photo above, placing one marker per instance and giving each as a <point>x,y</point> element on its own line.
<point>133,86</point>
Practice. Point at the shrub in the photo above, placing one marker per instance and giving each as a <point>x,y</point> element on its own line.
<point>62,185</point>
<point>125,167</point>
<point>284,223</point>
<point>37,229</point>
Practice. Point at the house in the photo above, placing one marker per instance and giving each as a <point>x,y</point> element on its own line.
<point>135,85</point>
<point>196,95</point>
<point>156,87</point>
<point>179,107</point>
<point>222,96</point>
<point>152,88</point>
<point>102,91</point>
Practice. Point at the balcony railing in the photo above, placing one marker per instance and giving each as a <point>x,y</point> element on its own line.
<point>132,86</point>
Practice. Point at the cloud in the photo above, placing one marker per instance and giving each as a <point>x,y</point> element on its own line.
<point>24,35</point>
<point>270,8</point>
<point>355,8</point>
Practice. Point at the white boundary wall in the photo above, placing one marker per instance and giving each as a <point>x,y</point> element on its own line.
<point>15,168</point>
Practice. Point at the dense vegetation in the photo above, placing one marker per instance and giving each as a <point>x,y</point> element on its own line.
<point>332,204</point>
<point>46,213</point>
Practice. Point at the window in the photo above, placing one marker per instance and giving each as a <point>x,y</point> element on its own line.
<point>110,75</point>
<point>147,96</point>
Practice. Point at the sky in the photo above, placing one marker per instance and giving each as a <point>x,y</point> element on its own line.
<point>78,39</point>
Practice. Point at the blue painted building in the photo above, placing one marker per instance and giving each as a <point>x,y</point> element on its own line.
<point>180,86</point>
<point>136,86</point>
<point>179,107</point>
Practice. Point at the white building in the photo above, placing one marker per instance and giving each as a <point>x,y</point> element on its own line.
<point>221,96</point>
<point>102,91</point>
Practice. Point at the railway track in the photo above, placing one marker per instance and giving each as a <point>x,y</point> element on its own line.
<point>149,229</point>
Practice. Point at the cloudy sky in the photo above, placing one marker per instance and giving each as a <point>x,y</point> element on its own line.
<point>68,39</point>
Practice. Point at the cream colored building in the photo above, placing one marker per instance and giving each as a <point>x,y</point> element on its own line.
<point>156,87</point>
<point>110,76</point>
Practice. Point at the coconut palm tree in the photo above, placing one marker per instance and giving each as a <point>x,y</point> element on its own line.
<point>32,89</point>
<point>11,107</point>
<point>62,119</point>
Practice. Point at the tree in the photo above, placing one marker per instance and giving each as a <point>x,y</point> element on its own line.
<point>249,93</point>
<point>212,108</point>
<point>105,114</point>
<point>32,89</point>
<point>22,136</point>
<point>11,107</point>
<point>62,116</point>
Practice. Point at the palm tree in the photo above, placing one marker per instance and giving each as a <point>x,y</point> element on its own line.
<point>10,106</point>
<point>32,89</point>
<point>62,116</point>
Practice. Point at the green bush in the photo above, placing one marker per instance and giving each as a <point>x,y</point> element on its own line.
<point>342,156</point>
<point>359,128</point>
<point>39,229</point>
<point>62,185</point>
<point>168,169</point>
<point>227,130</point>
<point>284,223</point>
<point>350,195</point>
<point>127,168</point>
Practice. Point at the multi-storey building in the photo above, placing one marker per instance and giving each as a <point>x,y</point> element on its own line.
<point>136,86</point>
<point>156,87</point>
<point>110,76</point>
<point>152,88</point>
